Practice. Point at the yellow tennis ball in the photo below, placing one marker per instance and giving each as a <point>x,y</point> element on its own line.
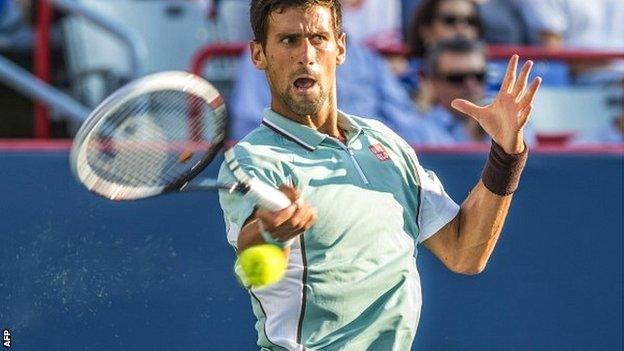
<point>262,265</point>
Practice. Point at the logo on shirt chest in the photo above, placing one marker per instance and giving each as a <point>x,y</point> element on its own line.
<point>379,151</point>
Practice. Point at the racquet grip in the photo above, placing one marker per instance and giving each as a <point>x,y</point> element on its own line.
<point>266,196</point>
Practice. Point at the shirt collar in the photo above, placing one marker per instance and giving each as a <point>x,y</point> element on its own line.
<point>305,136</point>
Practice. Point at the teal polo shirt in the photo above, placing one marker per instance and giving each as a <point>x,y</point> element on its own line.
<point>351,282</point>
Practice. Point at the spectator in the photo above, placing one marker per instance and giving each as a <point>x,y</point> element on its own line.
<point>435,20</point>
<point>503,23</point>
<point>456,68</point>
<point>612,133</point>
<point>366,88</point>
<point>441,19</point>
<point>372,22</point>
<point>376,24</point>
<point>597,25</point>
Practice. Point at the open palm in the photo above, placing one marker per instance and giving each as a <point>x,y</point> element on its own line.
<point>504,119</point>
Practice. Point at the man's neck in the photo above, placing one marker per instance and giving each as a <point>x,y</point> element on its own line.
<point>325,121</point>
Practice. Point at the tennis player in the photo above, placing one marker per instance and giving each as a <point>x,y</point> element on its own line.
<point>363,201</point>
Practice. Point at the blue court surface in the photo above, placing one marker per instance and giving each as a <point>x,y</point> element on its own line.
<point>78,272</point>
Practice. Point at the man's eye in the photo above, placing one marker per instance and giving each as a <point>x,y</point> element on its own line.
<point>288,40</point>
<point>318,38</point>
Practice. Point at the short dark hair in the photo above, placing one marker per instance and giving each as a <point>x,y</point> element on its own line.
<point>424,16</point>
<point>455,45</point>
<point>262,9</point>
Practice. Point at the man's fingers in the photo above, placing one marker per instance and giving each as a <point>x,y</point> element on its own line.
<point>274,219</point>
<point>466,107</point>
<point>525,113</point>
<point>310,220</point>
<point>299,217</point>
<point>290,192</point>
<point>529,95</point>
<point>523,79</point>
<point>303,217</point>
<point>510,75</point>
<point>301,220</point>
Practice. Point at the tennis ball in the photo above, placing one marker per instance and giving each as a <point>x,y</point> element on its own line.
<point>262,265</point>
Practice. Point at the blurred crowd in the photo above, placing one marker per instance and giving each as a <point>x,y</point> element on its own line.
<point>408,59</point>
<point>446,60</point>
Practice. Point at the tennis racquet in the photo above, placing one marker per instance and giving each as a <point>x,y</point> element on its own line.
<point>154,136</point>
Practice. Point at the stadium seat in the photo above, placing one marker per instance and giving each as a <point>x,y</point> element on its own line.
<point>561,111</point>
<point>97,62</point>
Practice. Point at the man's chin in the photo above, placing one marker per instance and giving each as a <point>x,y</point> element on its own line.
<point>304,106</point>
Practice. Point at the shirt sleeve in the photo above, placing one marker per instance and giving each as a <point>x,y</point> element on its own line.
<point>237,208</point>
<point>436,206</point>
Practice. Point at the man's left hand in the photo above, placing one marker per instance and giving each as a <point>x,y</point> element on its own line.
<point>505,118</point>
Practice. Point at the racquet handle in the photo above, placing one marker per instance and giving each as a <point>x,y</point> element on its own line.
<point>266,196</point>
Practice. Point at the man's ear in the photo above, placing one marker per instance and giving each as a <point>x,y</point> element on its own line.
<point>341,42</point>
<point>257,55</point>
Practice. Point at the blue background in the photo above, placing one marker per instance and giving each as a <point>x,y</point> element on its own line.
<point>78,272</point>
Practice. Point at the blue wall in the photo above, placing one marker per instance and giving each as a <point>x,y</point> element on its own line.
<point>81,273</point>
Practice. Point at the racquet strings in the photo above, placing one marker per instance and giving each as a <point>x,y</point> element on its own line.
<point>152,141</point>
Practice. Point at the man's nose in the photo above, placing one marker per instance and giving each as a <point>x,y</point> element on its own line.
<point>463,30</point>
<point>307,55</point>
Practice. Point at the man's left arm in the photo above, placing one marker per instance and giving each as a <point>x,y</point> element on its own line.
<point>465,244</point>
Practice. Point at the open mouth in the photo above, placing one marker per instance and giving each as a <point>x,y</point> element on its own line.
<point>304,84</point>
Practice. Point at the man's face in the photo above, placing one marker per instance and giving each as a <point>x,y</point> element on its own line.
<point>459,75</point>
<point>300,58</point>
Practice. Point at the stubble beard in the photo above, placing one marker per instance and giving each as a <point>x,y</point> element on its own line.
<point>308,106</point>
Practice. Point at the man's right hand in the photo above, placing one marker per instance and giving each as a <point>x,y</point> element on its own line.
<point>283,225</point>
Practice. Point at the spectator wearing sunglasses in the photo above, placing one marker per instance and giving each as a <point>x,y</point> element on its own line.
<point>442,19</point>
<point>435,20</point>
<point>455,68</point>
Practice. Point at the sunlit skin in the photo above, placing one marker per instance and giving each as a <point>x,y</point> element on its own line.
<point>504,119</point>
<point>300,59</point>
<point>439,30</point>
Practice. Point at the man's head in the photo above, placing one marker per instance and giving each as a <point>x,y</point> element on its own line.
<point>298,43</point>
<point>456,68</point>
